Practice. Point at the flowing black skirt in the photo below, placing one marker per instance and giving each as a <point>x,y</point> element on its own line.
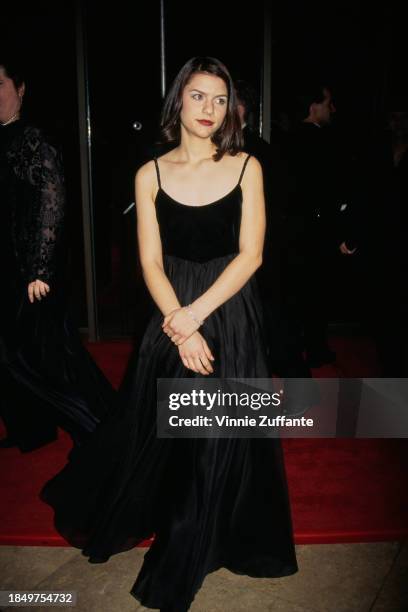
<point>211,503</point>
<point>48,377</point>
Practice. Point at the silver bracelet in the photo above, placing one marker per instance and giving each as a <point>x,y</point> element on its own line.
<point>192,315</point>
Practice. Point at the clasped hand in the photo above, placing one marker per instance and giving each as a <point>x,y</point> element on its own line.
<point>36,289</point>
<point>193,348</point>
<point>345,250</point>
<point>179,325</point>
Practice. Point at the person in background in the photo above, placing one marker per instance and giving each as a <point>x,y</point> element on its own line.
<point>386,261</point>
<point>284,342</point>
<point>312,208</point>
<point>48,378</point>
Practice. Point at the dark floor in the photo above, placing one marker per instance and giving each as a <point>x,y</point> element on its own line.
<point>369,577</point>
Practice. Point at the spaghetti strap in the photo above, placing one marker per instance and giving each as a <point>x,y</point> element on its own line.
<point>243,169</point>
<point>157,171</point>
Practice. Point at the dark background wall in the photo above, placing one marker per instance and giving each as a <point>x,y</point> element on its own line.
<point>357,46</point>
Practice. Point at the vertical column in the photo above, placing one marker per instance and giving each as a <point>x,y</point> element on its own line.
<point>265,98</point>
<point>85,162</point>
<point>162,50</point>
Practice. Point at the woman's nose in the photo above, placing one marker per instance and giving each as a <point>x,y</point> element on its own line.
<point>208,107</point>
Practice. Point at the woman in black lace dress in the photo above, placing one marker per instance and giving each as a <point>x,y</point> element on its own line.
<point>47,377</point>
<point>211,503</point>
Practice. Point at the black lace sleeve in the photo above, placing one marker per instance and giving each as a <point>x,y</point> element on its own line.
<point>42,169</point>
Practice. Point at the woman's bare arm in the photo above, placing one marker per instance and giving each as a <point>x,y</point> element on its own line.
<point>195,354</point>
<point>149,242</point>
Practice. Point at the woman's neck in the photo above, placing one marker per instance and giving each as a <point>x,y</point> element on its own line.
<point>194,150</point>
<point>15,117</point>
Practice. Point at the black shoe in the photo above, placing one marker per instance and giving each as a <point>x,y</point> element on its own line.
<point>98,559</point>
<point>175,608</point>
<point>316,360</point>
<point>8,442</point>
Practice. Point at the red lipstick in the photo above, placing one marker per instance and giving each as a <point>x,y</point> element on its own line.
<point>205,122</point>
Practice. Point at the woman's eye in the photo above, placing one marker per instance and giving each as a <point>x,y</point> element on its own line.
<point>222,101</point>
<point>197,96</point>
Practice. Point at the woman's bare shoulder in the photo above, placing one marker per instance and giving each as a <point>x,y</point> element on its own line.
<point>253,173</point>
<point>254,164</point>
<point>146,173</point>
<point>242,156</point>
<point>239,158</point>
<point>146,183</point>
<point>169,157</point>
<point>238,161</point>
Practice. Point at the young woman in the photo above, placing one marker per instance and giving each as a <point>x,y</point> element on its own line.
<point>47,377</point>
<point>211,503</point>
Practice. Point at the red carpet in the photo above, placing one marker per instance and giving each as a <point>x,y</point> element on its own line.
<point>346,490</point>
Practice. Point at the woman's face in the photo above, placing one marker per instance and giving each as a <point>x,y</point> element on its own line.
<point>10,97</point>
<point>204,104</point>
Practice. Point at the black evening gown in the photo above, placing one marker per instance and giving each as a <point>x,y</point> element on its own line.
<point>48,378</point>
<point>211,503</point>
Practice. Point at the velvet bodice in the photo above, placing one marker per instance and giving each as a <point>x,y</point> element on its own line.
<point>200,233</point>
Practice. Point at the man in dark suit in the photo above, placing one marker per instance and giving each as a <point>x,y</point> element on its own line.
<point>312,221</point>
<point>384,249</point>
<point>283,339</point>
<point>285,355</point>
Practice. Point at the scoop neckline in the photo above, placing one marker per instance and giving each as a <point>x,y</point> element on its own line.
<point>200,205</point>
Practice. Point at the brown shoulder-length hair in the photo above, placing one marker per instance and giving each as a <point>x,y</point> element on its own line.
<point>228,138</point>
